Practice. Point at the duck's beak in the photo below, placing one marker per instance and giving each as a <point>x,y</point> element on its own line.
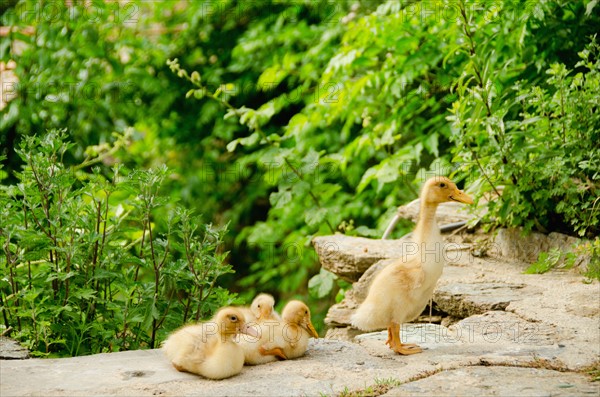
<point>249,329</point>
<point>311,330</point>
<point>461,197</point>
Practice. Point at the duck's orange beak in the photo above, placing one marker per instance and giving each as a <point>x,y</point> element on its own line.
<point>311,330</point>
<point>461,197</point>
<point>249,329</point>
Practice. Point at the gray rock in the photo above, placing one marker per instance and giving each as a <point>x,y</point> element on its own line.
<point>346,334</point>
<point>11,350</point>
<point>466,299</point>
<point>349,257</point>
<point>513,244</point>
<point>328,367</point>
<point>499,381</point>
<point>476,345</point>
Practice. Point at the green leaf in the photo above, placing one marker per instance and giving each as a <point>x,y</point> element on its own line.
<point>321,285</point>
<point>280,198</point>
<point>315,216</point>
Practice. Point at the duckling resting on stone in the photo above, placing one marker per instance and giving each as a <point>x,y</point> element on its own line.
<point>264,318</point>
<point>209,349</point>
<point>261,309</point>
<point>292,334</point>
<point>400,292</point>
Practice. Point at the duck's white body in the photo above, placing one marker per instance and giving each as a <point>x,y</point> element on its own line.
<point>400,292</point>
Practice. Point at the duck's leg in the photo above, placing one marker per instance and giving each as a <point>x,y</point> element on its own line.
<point>396,344</point>
<point>389,339</point>
<point>275,351</point>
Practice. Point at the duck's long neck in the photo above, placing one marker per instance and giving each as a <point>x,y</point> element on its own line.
<point>429,239</point>
<point>427,229</point>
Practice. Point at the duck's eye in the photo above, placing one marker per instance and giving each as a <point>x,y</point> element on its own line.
<point>442,184</point>
<point>259,306</point>
<point>306,312</point>
<point>233,319</point>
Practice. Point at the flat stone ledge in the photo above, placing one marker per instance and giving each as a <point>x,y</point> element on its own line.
<point>328,367</point>
<point>466,299</point>
<point>499,381</point>
<point>349,257</point>
<point>11,350</point>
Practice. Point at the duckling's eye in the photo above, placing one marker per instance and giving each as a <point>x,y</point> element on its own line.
<point>233,319</point>
<point>259,306</point>
<point>442,184</point>
<point>306,312</point>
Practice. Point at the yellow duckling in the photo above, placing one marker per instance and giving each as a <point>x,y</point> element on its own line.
<point>292,334</point>
<point>261,309</point>
<point>261,316</point>
<point>400,292</point>
<point>208,348</point>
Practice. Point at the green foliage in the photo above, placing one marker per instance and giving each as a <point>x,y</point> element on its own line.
<point>96,262</point>
<point>321,284</point>
<point>539,144</point>
<point>557,259</point>
<point>300,118</point>
<point>547,261</point>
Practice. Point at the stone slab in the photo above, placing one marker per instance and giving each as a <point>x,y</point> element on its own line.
<point>11,350</point>
<point>328,367</point>
<point>349,257</point>
<point>467,299</point>
<point>499,381</point>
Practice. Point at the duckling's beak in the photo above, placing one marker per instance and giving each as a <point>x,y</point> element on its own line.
<point>311,330</point>
<point>248,329</point>
<point>461,197</point>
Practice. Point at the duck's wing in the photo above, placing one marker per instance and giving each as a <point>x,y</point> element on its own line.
<point>190,343</point>
<point>409,274</point>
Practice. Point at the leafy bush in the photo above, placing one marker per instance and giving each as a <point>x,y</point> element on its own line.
<point>539,142</point>
<point>86,268</point>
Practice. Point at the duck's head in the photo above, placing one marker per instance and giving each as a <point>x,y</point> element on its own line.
<point>262,306</point>
<point>296,312</point>
<point>440,189</point>
<point>231,321</point>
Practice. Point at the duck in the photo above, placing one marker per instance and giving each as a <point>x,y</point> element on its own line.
<point>209,349</point>
<point>291,335</point>
<point>261,309</point>
<point>264,318</point>
<point>400,292</point>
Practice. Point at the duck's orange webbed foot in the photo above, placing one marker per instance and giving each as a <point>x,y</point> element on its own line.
<point>276,351</point>
<point>396,345</point>
<point>407,349</point>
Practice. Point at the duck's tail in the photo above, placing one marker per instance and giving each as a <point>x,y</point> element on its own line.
<point>364,318</point>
